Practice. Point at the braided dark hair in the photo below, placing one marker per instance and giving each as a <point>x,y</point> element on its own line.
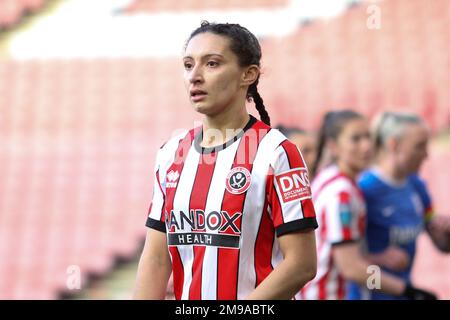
<point>246,47</point>
<point>332,125</point>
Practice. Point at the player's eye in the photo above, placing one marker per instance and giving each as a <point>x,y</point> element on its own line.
<point>188,65</point>
<point>212,63</point>
<point>356,138</point>
<point>359,137</point>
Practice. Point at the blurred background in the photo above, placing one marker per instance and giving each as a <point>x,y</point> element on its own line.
<point>89,90</point>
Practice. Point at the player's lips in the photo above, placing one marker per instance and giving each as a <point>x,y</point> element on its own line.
<point>197,95</point>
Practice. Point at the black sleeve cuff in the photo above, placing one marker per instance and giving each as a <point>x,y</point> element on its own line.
<point>297,225</point>
<point>156,224</point>
<point>339,243</point>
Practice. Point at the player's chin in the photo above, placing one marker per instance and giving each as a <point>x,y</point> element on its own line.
<point>204,109</point>
<point>200,108</point>
<point>363,164</point>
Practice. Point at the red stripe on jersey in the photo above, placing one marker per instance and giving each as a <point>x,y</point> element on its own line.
<point>278,219</point>
<point>344,199</point>
<point>264,247</point>
<point>327,182</point>
<point>341,288</point>
<point>323,230</point>
<point>180,157</point>
<point>177,166</point>
<point>293,155</point>
<point>228,259</point>
<point>296,161</point>
<point>178,274</point>
<point>308,208</point>
<point>323,237</point>
<point>322,284</point>
<point>197,201</point>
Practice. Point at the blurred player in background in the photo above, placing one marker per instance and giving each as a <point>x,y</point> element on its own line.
<point>341,211</point>
<point>306,141</point>
<point>232,215</point>
<point>398,202</point>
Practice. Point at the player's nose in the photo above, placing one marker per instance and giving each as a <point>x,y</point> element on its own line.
<point>196,75</point>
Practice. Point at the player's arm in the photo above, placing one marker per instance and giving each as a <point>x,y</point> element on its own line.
<point>154,268</point>
<point>393,258</point>
<point>438,228</point>
<point>155,265</point>
<point>297,268</point>
<point>294,221</point>
<point>355,268</point>
<point>344,234</point>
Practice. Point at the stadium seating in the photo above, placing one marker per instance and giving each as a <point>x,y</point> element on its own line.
<point>78,140</point>
<point>341,63</point>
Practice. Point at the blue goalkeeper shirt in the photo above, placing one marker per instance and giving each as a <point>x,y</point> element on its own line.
<point>395,217</point>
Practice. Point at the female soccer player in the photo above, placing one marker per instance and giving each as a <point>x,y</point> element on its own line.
<point>232,215</point>
<point>398,203</point>
<point>341,213</point>
<point>305,141</point>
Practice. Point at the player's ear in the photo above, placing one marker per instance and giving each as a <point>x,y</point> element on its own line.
<point>249,75</point>
<point>392,144</point>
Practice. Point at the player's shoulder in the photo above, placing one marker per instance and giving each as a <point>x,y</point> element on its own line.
<point>281,145</point>
<point>285,155</point>
<point>274,138</point>
<point>417,181</point>
<point>371,185</point>
<point>272,143</point>
<point>368,179</point>
<point>168,149</point>
<point>331,180</point>
<point>420,186</point>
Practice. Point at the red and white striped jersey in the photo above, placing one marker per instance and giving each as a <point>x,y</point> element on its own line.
<point>341,213</point>
<point>222,207</point>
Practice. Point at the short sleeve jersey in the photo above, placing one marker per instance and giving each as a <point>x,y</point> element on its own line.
<point>223,208</point>
<point>341,212</point>
<point>395,217</point>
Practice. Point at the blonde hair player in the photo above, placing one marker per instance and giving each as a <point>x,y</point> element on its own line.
<point>342,212</point>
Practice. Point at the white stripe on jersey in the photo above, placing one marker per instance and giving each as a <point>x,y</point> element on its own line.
<point>326,188</point>
<point>181,202</point>
<point>328,199</point>
<point>251,222</point>
<point>332,285</point>
<point>216,192</point>
<point>164,158</point>
<point>292,208</point>
<point>269,153</point>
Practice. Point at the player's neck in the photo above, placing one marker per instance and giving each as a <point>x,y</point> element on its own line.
<point>388,169</point>
<point>347,170</point>
<point>223,127</point>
